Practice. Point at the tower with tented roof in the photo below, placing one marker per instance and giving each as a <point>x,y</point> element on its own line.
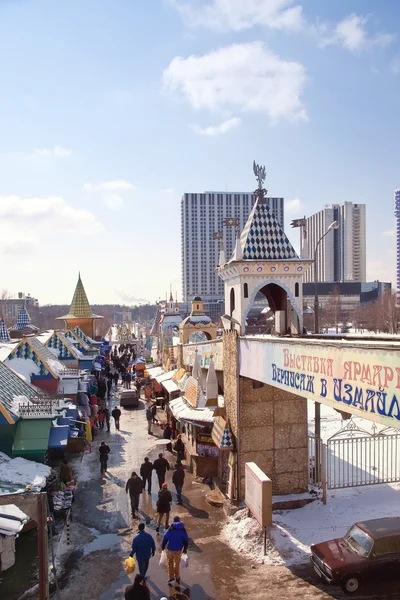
<point>80,313</point>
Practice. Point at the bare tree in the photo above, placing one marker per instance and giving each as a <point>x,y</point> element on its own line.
<point>4,297</point>
<point>333,312</point>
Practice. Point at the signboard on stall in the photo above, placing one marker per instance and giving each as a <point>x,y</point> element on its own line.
<point>363,382</point>
<point>258,494</point>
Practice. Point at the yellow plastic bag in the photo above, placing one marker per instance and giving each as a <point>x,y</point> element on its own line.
<point>130,565</point>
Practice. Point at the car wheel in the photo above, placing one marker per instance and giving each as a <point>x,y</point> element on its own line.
<point>351,584</point>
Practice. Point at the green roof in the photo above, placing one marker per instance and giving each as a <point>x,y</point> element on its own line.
<point>32,436</point>
<point>12,385</point>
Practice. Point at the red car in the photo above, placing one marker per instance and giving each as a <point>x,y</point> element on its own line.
<point>370,549</point>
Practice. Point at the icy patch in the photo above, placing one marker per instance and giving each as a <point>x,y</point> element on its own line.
<point>103,542</point>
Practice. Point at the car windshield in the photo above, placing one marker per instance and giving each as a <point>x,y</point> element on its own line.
<point>359,541</point>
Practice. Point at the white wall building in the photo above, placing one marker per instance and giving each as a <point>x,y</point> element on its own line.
<point>201,216</point>
<point>342,253</point>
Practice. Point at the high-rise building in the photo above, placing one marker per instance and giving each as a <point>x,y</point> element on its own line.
<point>341,255</point>
<point>201,216</point>
<point>397,216</point>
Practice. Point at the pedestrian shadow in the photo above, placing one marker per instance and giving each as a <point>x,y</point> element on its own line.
<point>196,592</point>
<point>129,433</point>
<point>194,547</point>
<point>197,513</point>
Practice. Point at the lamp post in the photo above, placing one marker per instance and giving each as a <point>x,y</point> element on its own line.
<point>334,225</point>
<point>317,414</point>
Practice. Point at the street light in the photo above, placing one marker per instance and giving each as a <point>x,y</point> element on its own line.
<point>317,408</point>
<point>334,225</point>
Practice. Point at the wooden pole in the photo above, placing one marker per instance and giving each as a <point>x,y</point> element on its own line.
<point>43,550</point>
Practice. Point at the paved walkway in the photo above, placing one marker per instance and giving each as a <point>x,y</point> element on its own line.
<point>102,532</point>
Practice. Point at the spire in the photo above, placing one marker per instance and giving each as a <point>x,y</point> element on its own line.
<point>4,337</point>
<point>23,319</point>
<point>237,253</point>
<point>196,371</point>
<point>212,385</point>
<point>80,306</point>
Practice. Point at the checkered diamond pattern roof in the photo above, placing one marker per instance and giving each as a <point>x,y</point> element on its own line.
<point>12,385</point>
<point>23,319</point>
<point>4,337</point>
<point>263,238</point>
<point>80,306</point>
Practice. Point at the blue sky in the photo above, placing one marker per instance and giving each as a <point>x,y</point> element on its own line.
<point>110,111</point>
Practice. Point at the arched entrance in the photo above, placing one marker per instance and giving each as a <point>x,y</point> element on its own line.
<point>268,309</point>
<point>196,337</point>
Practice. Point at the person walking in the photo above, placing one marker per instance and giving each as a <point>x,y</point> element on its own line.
<point>104,451</point>
<point>176,542</point>
<point>109,384</point>
<point>146,471</point>
<point>167,436</point>
<point>144,547</point>
<point>66,472</point>
<point>134,487</point>
<point>149,417</point>
<point>178,479</point>
<point>138,590</point>
<point>116,378</point>
<point>107,418</point>
<point>128,380</point>
<point>163,506</point>
<point>161,466</point>
<point>101,417</point>
<point>116,413</point>
<point>179,448</point>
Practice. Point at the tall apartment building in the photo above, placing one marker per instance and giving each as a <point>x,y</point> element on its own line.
<point>201,216</point>
<point>341,255</point>
<point>397,216</point>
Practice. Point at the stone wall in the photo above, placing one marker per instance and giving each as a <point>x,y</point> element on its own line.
<point>274,435</point>
<point>231,376</point>
<point>269,426</point>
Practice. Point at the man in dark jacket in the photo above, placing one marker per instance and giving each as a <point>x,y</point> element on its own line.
<point>176,541</point>
<point>163,506</point>
<point>144,547</point>
<point>149,417</point>
<point>161,466</point>
<point>104,451</point>
<point>116,413</point>
<point>134,486</point>
<point>167,436</point>
<point>146,470</point>
<point>102,388</point>
<point>177,479</point>
<point>107,417</point>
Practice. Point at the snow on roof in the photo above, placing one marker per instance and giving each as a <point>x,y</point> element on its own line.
<point>45,336</point>
<point>5,350</point>
<point>12,519</point>
<point>22,473</point>
<point>185,412</point>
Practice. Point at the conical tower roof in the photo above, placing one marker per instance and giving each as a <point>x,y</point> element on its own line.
<point>263,238</point>
<point>4,337</point>
<point>80,307</point>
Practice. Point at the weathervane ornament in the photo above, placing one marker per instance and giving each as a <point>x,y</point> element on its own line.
<point>261,176</point>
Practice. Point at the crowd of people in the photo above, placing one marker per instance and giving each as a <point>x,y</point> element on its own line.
<point>174,542</point>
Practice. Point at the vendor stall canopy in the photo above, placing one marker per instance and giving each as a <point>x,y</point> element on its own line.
<point>12,519</point>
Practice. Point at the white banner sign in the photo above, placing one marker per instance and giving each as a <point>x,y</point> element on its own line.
<point>364,381</point>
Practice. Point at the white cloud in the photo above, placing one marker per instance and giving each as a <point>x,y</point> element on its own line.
<point>351,33</point>
<point>241,14</point>
<point>395,65</point>
<point>25,221</point>
<point>222,128</point>
<point>110,186</point>
<point>56,151</point>
<point>293,206</point>
<point>241,77</point>
<point>388,233</point>
<point>113,201</point>
<point>129,299</point>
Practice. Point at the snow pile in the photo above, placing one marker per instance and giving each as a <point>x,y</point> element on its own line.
<point>22,472</point>
<point>16,401</point>
<point>54,351</point>
<point>294,531</point>
<point>244,534</point>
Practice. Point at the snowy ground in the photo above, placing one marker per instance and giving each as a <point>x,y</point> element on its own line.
<point>293,531</point>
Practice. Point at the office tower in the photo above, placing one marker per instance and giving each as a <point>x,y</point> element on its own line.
<point>201,216</point>
<point>397,215</point>
<point>341,255</point>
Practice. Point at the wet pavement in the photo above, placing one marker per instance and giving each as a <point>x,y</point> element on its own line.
<point>102,531</point>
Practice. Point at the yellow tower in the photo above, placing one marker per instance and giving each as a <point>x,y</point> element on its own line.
<point>80,314</point>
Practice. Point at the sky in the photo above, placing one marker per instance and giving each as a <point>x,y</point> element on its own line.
<point>110,111</point>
